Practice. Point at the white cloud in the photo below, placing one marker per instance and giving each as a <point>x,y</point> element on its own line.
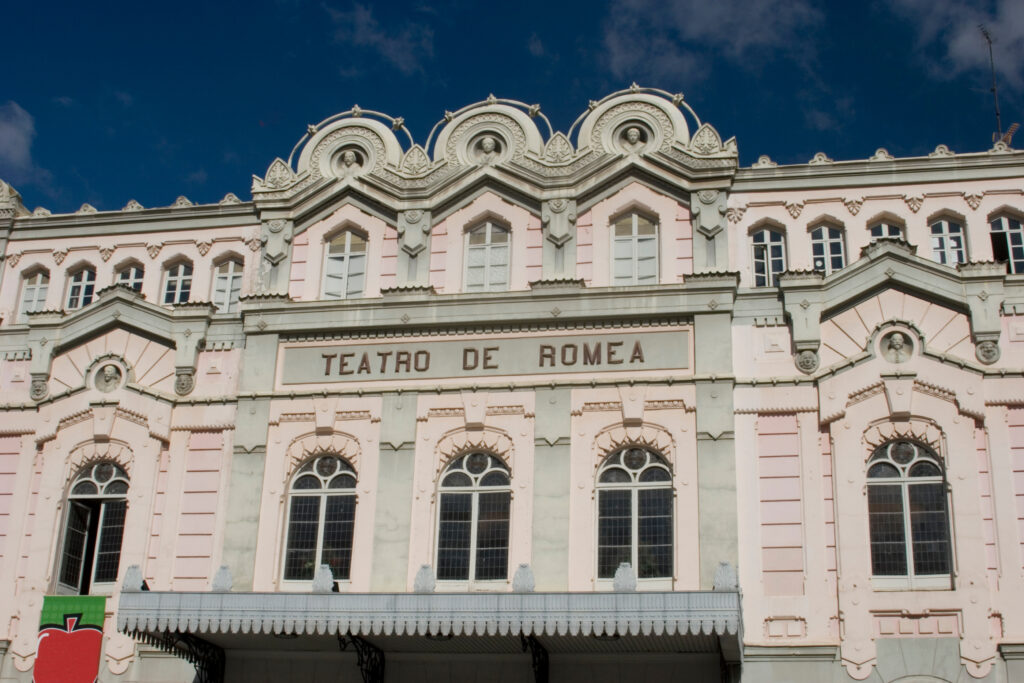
<point>651,39</point>
<point>535,46</point>
<point>17,130</point>
<point>951,28</point>
<point>196,177</point>
<point>405,48</point>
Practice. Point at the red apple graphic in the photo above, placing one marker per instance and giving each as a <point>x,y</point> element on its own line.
<point>68,654</point>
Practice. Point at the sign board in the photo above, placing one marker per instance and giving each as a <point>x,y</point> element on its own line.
<point>478,356</point>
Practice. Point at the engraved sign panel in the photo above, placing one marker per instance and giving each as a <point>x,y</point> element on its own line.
<point>481,356</point>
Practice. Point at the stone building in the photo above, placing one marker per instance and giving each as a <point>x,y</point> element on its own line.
<point>512,404</point>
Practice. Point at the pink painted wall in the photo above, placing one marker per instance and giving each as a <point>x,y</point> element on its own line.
<point>778,453</point>
<point>10,447</point>
<point>1015,424</point>
<point>204,463</point>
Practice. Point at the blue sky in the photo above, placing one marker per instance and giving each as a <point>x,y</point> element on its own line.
<point>105,102</point>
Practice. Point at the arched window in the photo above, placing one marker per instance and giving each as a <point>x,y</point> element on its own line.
<point>487,258</point>
<point>769,257</point>
<point>91,547</point>
<point>81,287</point>
<point>345,266</point>
<point>321,519</point>
<point>948,242</point>
<point>131,276</point>
<point>885,229</point>
<point>827,252</point>
<point>634,250</point>
<point>33,291</point>
<point>473,519</point>
<point>227,285</point>
<point>907,512</point>
<point>1008,242</point>
<point>634,514</point>
<point>178,283</point>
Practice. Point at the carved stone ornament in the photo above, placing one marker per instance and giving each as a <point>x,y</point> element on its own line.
<point>86,209</point>
<point>523,580</point>
<point>41,211</point>
<point>735,214</point>
<point>881,154</point>
<point>106,253</point>
<point>182,202</point>
<point>416,161</point>
<point>941,152</point>
<point>222,580</point>
<point>726,578</point>
<point>107,378</point>
<point>39,389</point>
<point>349,163</point>
<point>424,581</point>
<point>632,139</point>
<point>987,352</point>
<point>487,150</point>
<point>807,361</point>
<point>559,218</point>
<point>764,161</point>
<point>706,141</point>
<point>625,579</point>
<point>709,210</point>
<point>363,141</point>
<point>59,255</point>
<point>413,228</point>
<point>133,205</point>
<point>154,249</point>
<point>820,158</point>
<point>229,199</point>
<point>897,347</point>
<point>323,580</point>
<point>616,121</point>
<point>973,200</point>
<point>794,208</point>
<point>203,247</point>
<point>914,203</point>
<point>559,149</point>
<point>184,381</point>
<point>279,175</point>
<point>999,148</point>
<point>853,205</point>
<point>12,259</point>
<point>254,243</point>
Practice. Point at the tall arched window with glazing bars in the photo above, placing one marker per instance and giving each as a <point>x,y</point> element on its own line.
<point>93,528</point>
<point>474,504</point>
<point>321,519</point>
<point>634,514</point>
<point>907,512</point>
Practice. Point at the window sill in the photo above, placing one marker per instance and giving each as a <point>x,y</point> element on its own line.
<point>307,586</point>
<point>660,584</point>
<point>941,582</point>
<point>496,586</point>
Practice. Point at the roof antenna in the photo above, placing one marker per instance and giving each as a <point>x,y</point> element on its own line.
<point>998,135</point>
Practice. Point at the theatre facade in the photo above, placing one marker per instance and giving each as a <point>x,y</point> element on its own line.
<point>511,404</point>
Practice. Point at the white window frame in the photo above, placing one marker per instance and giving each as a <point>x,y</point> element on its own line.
<point>135,272</point>
<point>81,288</point>
<point>1009,227</point>
<point>339,265</point>
<point>655,460</point>
<point>323,493</point>
<point>490,249</point>
<point>474,491</point>
<point>227,285</point>
<point>911,580</point>
<point>885,230</point>
<point>832,241</point>
<point>35,285</point>
<point>631,245</point>
<point>101,500</point>
<point>942,252</point>
<point>175,278</point>
<point>770,276</point>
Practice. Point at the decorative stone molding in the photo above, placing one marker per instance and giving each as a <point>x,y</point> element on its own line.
<point>881,154</point>
<point>59,255</point>
<point>914,429</point>
<point>222,581</point>
<point>625,579</point>
<point>41,211</point>
<point>13,258</point>
<point>203,247</point>
<point>523,580</point>
<point>311,445</point>
<point>706,141</point>
<point>414,230</point>
<point>794,208</point>
<point>853,205</point>
<point>279,175</point>
<point>91,452</point>
<point>230,199</point>
<point>86,209</point>
<point>726,578</point>
<point>819,159</point>
<point>461,441</point>
<point>764,161</point>
<point>709,210</point>
<point>106,253</point>
<point>416,161</point>
<point>806,361</point>
<point>735,214</point>
<point>132,582</point>
<point>987,351</point>
<point>973,200</point>
<point>182,202</point>
<point>323,580</point>
<point>914,203</point>
<point>941,152</point>
<point>184,381</point>
<point>559,219</point>
<point>558,149</point>
<point>154,249</point>
<point>133,205</point>
<point>647,434</point>
<point>425,582</point>
<point>39,387</point>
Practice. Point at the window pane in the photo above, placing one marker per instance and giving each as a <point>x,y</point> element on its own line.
<point>888,540</point>
<point>614,531</point>
<point>339,522</point>
<point>492,536</point>
<point>74,545</point>
<point>108,551</point>
<point>929,529</point>
<point>300,555</point>
<point>453,536</point>
<point>654,533</point>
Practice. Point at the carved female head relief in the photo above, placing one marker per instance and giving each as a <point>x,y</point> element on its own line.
<point>487,148</point>
<point>349,161</point>
<point>632,137</point>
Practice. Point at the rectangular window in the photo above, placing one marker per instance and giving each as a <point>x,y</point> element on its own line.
<point>339,527</point>
<point>888,537</point>
<point>492,536</point>
<point>454,536</point>
<point>614,531</point>
<point>303,523</point>
<point>654,533</point>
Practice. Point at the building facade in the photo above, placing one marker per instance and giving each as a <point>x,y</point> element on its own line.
<point>514,405</point>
